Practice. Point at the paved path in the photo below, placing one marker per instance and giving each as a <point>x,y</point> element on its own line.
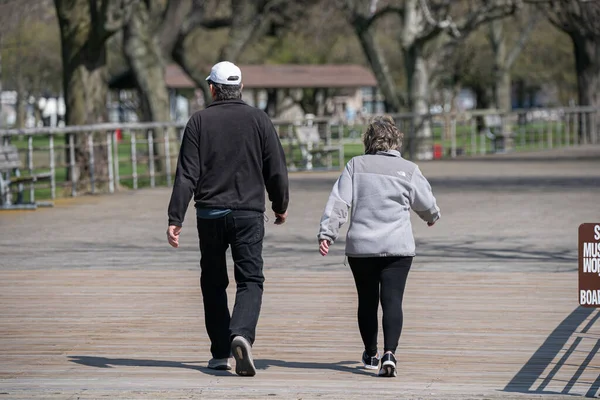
<point>94,304</point>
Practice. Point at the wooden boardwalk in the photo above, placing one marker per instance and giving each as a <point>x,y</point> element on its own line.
<point>94,304</point>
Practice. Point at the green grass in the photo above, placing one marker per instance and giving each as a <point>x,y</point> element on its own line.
<point>528,137</point>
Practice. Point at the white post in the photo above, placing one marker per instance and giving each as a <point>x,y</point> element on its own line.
<point>91,162</point>
<point>111,177</point>
<point>134,160</point>
<point>52,168</point>
<point>30,167</point>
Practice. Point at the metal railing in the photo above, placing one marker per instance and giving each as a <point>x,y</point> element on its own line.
<point>481,132</point>
<point>107,157</point>
<point>94,158</point>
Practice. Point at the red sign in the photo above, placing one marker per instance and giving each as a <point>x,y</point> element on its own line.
<point>589,265</point>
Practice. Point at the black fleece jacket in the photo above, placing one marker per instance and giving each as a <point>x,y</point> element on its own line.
<point>229,154</point>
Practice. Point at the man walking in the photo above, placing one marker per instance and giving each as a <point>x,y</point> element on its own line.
<point>229,154</point>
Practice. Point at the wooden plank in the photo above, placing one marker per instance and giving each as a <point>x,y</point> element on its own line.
<point>137,327</point>
<point>94,304</point>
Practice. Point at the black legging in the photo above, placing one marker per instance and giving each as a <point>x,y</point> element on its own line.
<point>369,274</point>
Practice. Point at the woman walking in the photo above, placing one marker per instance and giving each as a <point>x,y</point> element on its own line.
<point>380,188</point>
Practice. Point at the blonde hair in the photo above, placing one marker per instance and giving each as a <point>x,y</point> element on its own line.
<point>382,135</point>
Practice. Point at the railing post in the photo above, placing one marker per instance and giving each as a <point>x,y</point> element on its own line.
<point>559,134</point>
<point>111,177</point>
<point>583,118</point>
<point>328,143</point>
<point>167,155</point>
<point>290,140</point>
<point>116,159</point>
<point>452,136</point>
<point>473,136</point>
<point>90,139</point>
<point>594,115</point>
<point>150,140</point>
<point>72,164</point>
<point>341,152</point>
<point>30,167</point>
<point>134,160</point>
<point>523,133</point>
<point>567,128</point>
<point>482,143</point>
<point>52,168</point>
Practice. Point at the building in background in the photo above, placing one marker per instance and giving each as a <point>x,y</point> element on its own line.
<point>345,92</point>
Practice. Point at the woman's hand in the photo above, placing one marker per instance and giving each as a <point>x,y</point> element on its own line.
<point>324,247</point>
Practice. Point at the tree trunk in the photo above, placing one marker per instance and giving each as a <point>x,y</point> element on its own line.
<point>502,80</point>
<point>420,139</point>
<point>85,99</point>
<point>503,90</point>
<point>380,68</point>
<point>85,88</point>
<point>21,104</point>
<point>587,65</point>
<point>144,55</point>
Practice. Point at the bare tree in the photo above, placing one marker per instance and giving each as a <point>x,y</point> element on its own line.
<point>579,19</point>
<point>427,27</point>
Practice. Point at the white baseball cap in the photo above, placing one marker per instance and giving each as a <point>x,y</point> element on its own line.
<point>225,73</point>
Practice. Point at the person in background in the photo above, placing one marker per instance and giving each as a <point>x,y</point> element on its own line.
<point>380,188</point>
<point>229,154</point>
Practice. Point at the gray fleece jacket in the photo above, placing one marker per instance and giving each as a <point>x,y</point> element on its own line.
<point>380,190</point>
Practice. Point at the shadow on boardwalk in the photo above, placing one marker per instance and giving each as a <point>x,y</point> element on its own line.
<point>261,364</point>
<point>534,370</point>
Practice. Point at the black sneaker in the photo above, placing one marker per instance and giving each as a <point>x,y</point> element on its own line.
<point>242,352</point>
<point>370,362</point>
<point>388,365</point>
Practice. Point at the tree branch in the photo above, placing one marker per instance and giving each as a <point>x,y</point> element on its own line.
<point>446,24</point>
<point>382,12</point>
<point>113,15</point>
<point>576,16</point>
<point>490,11</point>
<point>174,15</point>
<point>523,38</point>
<point>365,21</point>
<point>196,19</point>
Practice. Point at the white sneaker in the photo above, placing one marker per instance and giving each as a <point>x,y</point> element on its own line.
<point>242,352</point>
<point>220,364</point>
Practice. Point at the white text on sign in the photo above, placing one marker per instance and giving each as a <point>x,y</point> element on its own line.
<point>591,265</point>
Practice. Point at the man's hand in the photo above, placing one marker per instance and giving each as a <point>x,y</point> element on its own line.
<point>324,247</point>
<point>280,218</point>
<point>173,235</point>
